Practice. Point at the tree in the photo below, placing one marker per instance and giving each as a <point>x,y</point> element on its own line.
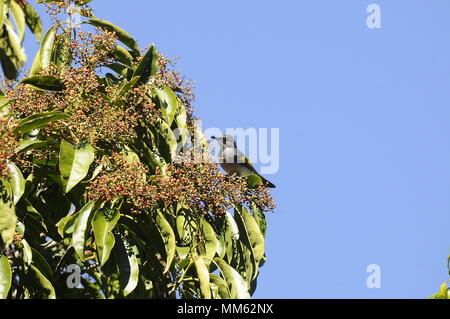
<point>107,186</point>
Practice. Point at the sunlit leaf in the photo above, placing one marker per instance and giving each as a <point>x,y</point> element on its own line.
<point>81,226</point>
<point>203,276</point>
<point>104,239</point>
<point>5,277</point>
<point>7,213</point>
<point>74,163</point>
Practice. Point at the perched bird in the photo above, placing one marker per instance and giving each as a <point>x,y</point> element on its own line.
<point>233,161</point>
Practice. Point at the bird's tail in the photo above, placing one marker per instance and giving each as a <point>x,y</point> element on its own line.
<point>267,183</point>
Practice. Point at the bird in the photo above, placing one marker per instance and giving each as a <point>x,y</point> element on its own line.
<point>233,161</point>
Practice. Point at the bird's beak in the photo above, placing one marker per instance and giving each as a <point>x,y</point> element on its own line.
<point>213,137</point>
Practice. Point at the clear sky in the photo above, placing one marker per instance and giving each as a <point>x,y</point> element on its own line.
<point>364,119</point>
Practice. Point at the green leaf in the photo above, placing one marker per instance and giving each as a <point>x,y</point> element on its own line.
<point>237,285</point>
<point>5,277</point>
<point>2,12</point>
<point>148,66</point>
<point>203,276</point>
<point>66,224</point>
<point>121,34</point>
<point>181,121</point>
<point>4,101</point>
<point>219,287</point>
<point>122,55</point>
<point>210,240</point>
<point>168,235</point>
<point>74,163</point>
<point>126,255</point>
<point>251,233</point>
<point>186,226</point>
<point>27,145</point>
<point>33,21</point>
<point>40,262</point>
<point>233,226</point>
<point>80,229</point>
<point>168,103</point>
<point>167,145</point>
<point>12,55</point>
<point>45,83</point>
<point>36,67</point>
<point>17,181</point>
<point>19,18</point>
<point>44,283</point>
<point>40,120</point>
<point>104,238</point>
<point>260,219</point>
<point>7,213</point>
<point>27,252</point>
<point>46,51</point>
<point>62,54</point>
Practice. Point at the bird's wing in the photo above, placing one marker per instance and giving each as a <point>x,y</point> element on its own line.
<point>244,159</point>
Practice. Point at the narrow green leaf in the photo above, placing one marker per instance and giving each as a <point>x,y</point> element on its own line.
<point>5,277</point>
<point>45,83</point>
<point>122,55</point>
<point>168,103</point>
<point>74,163</point>
<point>4,101</point>
<point>219,287</point>
<point>148,66</point>
<point>210,240</point>
<point>40,120</point>
<point>2,12</point>
<point>17,181</point>
<point>168,235</point>
<point>126,255</point>
<point>233,226</point>
<point>260,219</point>
<point>237,285</point>
<point>203,277</point>
<point>81,226</point>
<point>27,145</point>
<point>167,144</point>
<point>27,252</point>
<point>181,121</point>
<point>48,44</point>
<point>33,21</point>
<point>36,67</point>
<point>251,232</point>
<point>44,283</point>
<point>62,54</point>
<point>121,34</point>
<point>186,226</point>
<point>66,224</point>
<point>7,213</point>
<point>19,18</point>
<point>41,263</point>
<point>104,238</point>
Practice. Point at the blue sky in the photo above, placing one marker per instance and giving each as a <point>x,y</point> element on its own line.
<point>364,119</point>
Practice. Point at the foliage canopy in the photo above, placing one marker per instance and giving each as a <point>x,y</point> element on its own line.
<point>104,168</point>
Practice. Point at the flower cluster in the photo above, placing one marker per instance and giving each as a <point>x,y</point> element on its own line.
<point>199,185</point>
<point>7,145</point>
